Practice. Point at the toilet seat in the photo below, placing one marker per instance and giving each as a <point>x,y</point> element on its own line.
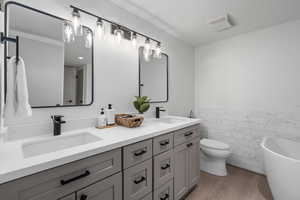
<point>213,144</point>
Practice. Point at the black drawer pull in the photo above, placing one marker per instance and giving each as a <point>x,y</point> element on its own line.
<point>165,197</point>
<point>189,145</point>
<point>83,197</point>
<point>188,134</point>
<point>140,153</point>
<point>164,143</point>
<point>64,182</point>
<point>140,180</point>
<point>165,167</point>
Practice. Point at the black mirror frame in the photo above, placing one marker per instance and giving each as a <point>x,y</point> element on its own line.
<point>140,83</point>
<point>6,56</point>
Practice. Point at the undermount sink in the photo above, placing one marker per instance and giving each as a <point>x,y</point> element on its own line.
<point>57,143</point>
<point>167,120</point>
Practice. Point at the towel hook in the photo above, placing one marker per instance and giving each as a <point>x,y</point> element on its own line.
<point>14,40</point>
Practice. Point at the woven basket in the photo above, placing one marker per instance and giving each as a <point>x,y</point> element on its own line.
<point>128,120</point>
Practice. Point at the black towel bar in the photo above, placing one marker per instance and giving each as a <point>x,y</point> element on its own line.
<point>14,40</point>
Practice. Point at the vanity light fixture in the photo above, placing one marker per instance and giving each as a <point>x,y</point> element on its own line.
<point>134,39</point>
<point>119,34</point>
<point>100,27</point>
<point>76,22</point>
<point>80,58</point>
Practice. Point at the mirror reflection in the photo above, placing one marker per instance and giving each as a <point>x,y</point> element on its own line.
<point>59,72</point>
<point>153,76</point>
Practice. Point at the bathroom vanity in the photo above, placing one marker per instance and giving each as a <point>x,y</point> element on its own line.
<point>159,161</point>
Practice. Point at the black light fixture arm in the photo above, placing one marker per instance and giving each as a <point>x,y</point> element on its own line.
<point>14,40</point>
<point>112,22</point>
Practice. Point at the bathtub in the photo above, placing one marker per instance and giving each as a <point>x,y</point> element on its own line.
<point>282,165</point>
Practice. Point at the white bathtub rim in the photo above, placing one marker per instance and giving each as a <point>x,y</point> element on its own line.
<point>277,154</point>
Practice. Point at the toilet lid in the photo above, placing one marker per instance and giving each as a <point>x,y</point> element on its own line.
<point>214,144</point>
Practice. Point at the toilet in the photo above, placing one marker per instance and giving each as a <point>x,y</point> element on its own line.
<point>213,157</point>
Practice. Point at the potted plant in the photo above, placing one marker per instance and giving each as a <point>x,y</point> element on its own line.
<point>142,104</point>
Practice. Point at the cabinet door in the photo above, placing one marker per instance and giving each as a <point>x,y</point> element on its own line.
<point>194,163</point>
<point>108,189</point>
<point>69,197</point>
<point>181,175</point>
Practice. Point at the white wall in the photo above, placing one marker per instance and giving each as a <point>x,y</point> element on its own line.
<point>116,69</point>
<point>247,87</point>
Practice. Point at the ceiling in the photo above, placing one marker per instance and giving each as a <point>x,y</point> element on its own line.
<point>188,20</point>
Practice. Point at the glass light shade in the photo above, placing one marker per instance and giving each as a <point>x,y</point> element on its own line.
<point>157,53</point>
<point>88,39</point>
<point>76,22</point>
<point>119,34</point>
<point>134,40</point>
<point>68,33</point>
<point>147,50</point>
<point>100,28</point>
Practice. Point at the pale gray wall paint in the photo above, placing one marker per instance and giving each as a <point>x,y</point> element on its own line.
<point>247,87</point>
<point>116,69</point>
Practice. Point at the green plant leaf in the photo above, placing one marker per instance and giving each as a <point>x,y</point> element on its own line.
<point>136,105</point>
<point>144,107</point>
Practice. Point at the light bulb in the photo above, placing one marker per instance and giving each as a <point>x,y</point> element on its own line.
<point>76,22</point>
<point>68,33</point>
<point>100,27</point>
<point>134,40</point>
<point>119,35</point>
<point>88,39</point>
<point>157,53</point>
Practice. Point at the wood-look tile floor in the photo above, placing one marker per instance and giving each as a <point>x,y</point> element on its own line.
<point>238,185</point>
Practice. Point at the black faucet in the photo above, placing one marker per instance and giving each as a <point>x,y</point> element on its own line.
<point>157,112</point>
<point>57,124</point>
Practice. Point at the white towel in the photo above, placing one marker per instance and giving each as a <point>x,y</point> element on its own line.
<point>17,104</point>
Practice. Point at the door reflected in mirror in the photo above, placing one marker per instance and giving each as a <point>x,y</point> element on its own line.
<point>153,80</point>
<point>59,72</point>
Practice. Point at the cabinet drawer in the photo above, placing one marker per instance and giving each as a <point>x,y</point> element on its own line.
<point>165,192</point>
<point>108,189</point>
<point>137,153</point>
<point>163,168</point>
<point>137,181</point>
<point>186,134</point>
<point>61,181</point>
<point>162,143</point>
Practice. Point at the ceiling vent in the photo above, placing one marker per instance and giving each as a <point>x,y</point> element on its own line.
<point>221,23</point>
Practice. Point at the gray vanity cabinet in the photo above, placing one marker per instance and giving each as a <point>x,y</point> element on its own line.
<point>108,189</point>
<point>165,192</point>
<point>186,172</point>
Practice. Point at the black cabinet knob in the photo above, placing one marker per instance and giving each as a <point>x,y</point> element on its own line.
<point>83,197</point>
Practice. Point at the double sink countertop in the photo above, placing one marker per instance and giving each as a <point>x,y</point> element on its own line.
<point>26,157</point>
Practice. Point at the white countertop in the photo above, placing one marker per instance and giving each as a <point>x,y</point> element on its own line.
<point>13,165</point>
